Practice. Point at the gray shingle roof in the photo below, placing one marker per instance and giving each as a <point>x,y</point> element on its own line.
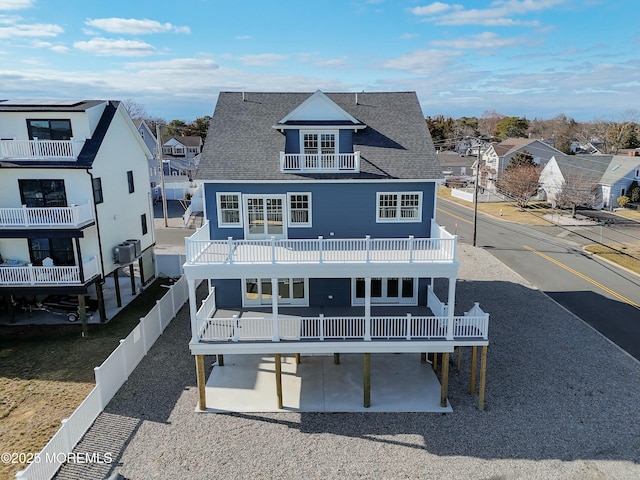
<point>590,167</point>
<point>242,145</point>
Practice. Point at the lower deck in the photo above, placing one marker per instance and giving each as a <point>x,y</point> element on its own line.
<point>399,383</point>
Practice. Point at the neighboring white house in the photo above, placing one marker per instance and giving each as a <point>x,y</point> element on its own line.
<point>612,173</point>
<point>497,156</point>
<point>74,187</point>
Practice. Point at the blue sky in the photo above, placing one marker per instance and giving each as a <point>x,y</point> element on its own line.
<point>533,58</point>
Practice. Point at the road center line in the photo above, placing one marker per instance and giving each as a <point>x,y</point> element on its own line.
<point>584,277</point>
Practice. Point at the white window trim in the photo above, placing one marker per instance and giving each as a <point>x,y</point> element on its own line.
<point>245,213</point>
<point>319,133</point>
<point>238,224</point>
<point>398,218</point>
<point>291,223</point>
<point>301,302</point>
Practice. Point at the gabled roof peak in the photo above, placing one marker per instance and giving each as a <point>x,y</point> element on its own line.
<point>319,107</point>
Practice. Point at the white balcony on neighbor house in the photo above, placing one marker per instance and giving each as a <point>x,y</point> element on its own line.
<point>40,149</point>
<point>441,248</point>
<point>320,163</point>
<point>46,217</point>
<point>16,274</point>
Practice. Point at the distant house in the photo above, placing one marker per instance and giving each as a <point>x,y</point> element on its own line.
<point>622,170</point>
<point>74,197</point>
<point>320,222</point>
<point>612,173</point>
<point>181,155</point>
<point>561,168</point>
<point>497,156</point>
<point>150,141</point>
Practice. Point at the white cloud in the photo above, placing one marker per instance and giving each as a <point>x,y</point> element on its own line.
<point>32,30</point>
<point>499,13</point>
<point>116,48</point>
<point>434,8</point>
<point>60,49</point>
<point>175,65</point>
<point>134,26</point>
<point>15,4</point>
<point>482,41</point>
<point>261,60</point>
<point>422,61</point>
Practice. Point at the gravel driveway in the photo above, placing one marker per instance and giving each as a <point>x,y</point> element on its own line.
<point>562,403</point>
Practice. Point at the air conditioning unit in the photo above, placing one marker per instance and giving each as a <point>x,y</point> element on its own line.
<point>137,245</point>
<point>124,253</point>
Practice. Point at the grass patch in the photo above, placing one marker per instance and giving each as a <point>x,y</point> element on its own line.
<point>613,255</point>
<point>47,370</point>
<point>532,215</point>
<point>628,213</point>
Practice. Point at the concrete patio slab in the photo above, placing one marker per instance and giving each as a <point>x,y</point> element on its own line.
<point>399,383</point>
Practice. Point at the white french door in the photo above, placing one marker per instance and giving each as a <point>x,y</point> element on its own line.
<point>386,291</point>
<point>291,291</point>
<point>264,216</point>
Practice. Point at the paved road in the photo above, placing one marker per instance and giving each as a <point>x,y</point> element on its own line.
<point>552,259</point>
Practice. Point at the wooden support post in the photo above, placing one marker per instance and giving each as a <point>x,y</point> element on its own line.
<point>435,362</point>
<point>474,358</point>
<point>336,358</point>
<point>279,379</point>
<point>459,355</point>
<point>423,358</point>
<point>116,284</point>
<point>297,359</point>
<point>483,377</point>
<point>82,312</point>
<point>133,280</point>
<point>221,360</point>
<point>101,307</point>
<point>444,386</point>
<point>202,382</point>
<point>366,380</point>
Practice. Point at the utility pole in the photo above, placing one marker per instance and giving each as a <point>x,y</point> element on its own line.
<point>475,197</point>
<point>164,197</point>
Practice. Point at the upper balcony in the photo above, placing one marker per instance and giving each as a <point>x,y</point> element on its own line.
<point>231,258</point>
<point>40,149</point>
<point>17,273</point>
<point>74,216</point>
<point>320,163</point>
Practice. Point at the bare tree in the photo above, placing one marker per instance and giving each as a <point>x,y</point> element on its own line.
<point>577,190</point>
<point>520,183</point>
<point>134,109</point>
<point>488,122</point>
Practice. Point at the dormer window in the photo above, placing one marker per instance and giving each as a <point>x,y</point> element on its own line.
<point>317,143</point>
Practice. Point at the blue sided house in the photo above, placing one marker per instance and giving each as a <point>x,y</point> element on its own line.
<point>320,233</point>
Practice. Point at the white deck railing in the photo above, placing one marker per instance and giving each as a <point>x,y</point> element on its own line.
<point>323,328</point>
<point>363,250</point>
<point>40,149</point>
<point>332,162</point>
<point>24,216</point>
<point>56,275</point>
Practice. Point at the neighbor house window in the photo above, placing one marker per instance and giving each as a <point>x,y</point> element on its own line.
<point>143,221</point>
<point>229,215</point>
<point>399,207</point>
<point>130,181</point>
<point>49,129</point>
<point>42,193</point>
<point>97,190</point>
<point>299,209</point>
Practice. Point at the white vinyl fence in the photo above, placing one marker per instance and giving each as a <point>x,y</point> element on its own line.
<point>110,376</point>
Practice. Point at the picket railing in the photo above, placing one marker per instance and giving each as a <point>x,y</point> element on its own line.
<point>110,376</point>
